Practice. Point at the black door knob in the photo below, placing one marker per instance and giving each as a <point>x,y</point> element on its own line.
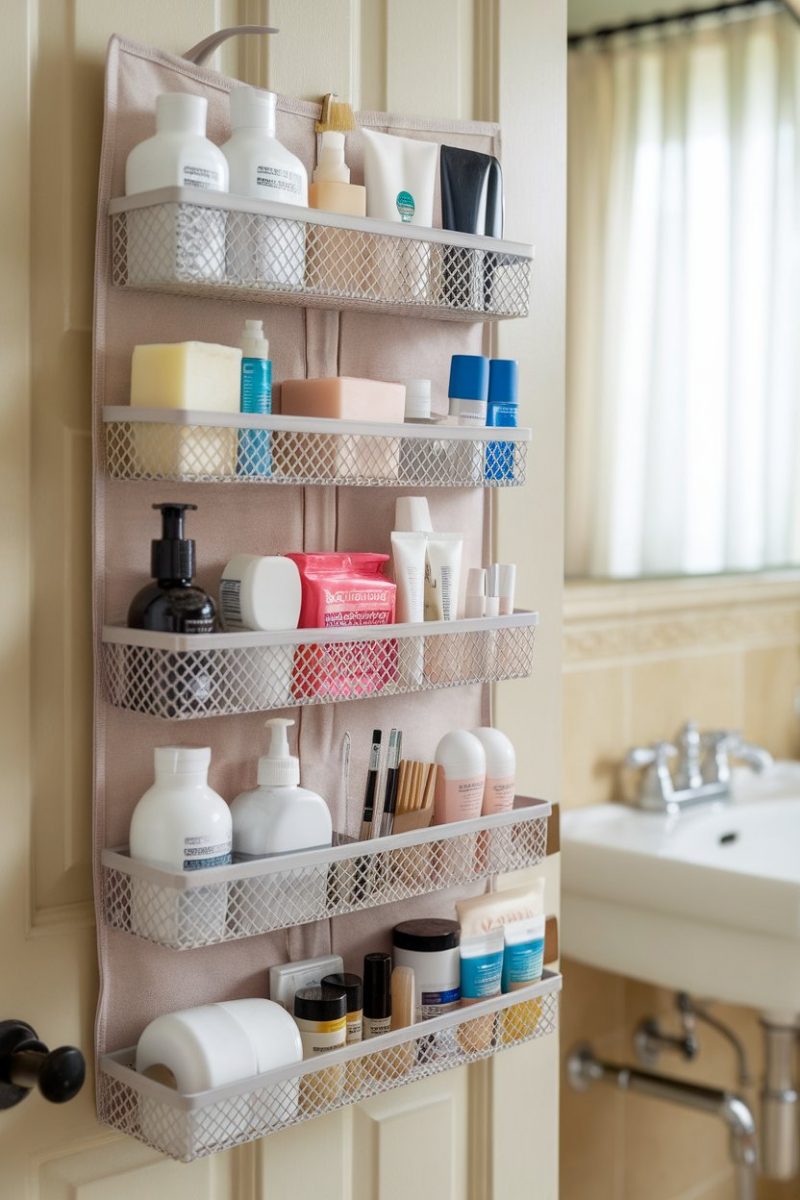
<point>25,1062</point>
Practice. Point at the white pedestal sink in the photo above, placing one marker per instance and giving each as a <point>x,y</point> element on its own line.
<point>707,901</point>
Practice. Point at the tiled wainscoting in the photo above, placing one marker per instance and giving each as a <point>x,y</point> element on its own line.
<point>639,659</point>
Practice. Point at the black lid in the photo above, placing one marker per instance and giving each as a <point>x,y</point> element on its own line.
<point>377,985</point>
<point>172,555</point>
<point>429,934</point>
<point>350,985</point>
<point>320,1004</point>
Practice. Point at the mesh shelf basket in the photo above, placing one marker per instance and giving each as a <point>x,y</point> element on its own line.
<point>209,244</point>
<point>181,677</point>
<point>186,1127</point>
<point>187,909</point>
<point>159,444</point>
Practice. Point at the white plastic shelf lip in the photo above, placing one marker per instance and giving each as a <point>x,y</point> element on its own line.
<point>185,910</point>
<point>125,413</point>
<point>187,1127</point>
<point>218,246</point>
<point>196,447</point>
<point>178,643</point>
<point>346,848</point>
<point>229,202</point>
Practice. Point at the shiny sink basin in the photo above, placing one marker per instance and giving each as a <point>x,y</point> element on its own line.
<point>707,901</point>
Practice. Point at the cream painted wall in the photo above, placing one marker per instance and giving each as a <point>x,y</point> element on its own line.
<point>468,1135</point>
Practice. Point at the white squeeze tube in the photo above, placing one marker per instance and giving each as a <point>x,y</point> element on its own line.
<point>443,576</point>
<point>408,559</point>
<point>400,175</point>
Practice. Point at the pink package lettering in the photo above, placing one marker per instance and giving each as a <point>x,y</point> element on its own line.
<point>341,591</point>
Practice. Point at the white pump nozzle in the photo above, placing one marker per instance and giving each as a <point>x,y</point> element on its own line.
<point>278,768</point>
<point>331,166</point>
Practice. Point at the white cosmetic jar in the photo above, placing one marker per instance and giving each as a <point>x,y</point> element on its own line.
<point>260,592</point>
<point>430,946</point>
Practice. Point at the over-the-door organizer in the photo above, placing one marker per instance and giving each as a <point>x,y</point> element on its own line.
<point>234,922</point>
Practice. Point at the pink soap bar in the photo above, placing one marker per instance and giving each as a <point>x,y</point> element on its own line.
<point>345,398</point>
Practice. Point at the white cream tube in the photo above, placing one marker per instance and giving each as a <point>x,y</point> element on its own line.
<point>443,576</point>
<point>408,560</point>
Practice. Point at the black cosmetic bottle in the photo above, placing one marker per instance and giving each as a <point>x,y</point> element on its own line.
<point>172,604</point>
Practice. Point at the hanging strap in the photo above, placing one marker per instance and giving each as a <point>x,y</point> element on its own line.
<point>203,50</point>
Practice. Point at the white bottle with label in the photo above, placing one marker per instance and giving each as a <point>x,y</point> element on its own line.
<point>268,250</point>
<point>190,245</point>
<point>182,824</point>
<point>278,817</point>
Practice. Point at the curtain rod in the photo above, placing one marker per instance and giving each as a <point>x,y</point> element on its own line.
<point>659,20</point>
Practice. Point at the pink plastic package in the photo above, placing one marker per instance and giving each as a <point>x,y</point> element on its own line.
<point>341,590</point>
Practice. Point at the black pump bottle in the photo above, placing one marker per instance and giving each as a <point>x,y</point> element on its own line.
<point>172,604</point>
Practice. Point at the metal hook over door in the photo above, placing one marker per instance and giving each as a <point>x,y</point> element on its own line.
<point>203,50</point>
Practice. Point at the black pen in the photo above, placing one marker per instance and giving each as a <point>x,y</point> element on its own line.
<point>372,786</point>
<point>392,774</point>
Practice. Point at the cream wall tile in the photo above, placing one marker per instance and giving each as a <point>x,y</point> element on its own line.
<point>594,734</point>
<point>706,688</point>
<point>771,678</point>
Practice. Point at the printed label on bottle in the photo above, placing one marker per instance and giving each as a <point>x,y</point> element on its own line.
<point>405,206</point>
<point>375,1026</point>
<point>480,975</point>
<point>523,964</point>
<point>205,178</point>
<point>499,795</point>
<point>353,1024</point>
<point>230,600</point>
<point>197,625</point>
<point>457,799</point>
<point>281,180</point>
<point>320,1036</point>
<point>199,853</point>
<point>433,1003</point>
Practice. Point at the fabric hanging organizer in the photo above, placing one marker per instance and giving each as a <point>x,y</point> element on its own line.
<point>313,332</point>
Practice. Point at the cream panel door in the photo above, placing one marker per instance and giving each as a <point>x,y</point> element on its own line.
<point>463,1135</point>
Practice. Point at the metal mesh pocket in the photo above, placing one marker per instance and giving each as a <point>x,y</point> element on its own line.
<point>260,896</point>
<point>209,249</point>
<point>190,1127</point>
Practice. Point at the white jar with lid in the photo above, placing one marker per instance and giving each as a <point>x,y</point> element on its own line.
<point>260,592</point>
<point>429,946</point>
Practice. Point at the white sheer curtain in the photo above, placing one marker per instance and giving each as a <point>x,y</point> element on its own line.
<point>683,411</point>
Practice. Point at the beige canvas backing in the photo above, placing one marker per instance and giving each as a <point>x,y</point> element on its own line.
<point>140,980</point>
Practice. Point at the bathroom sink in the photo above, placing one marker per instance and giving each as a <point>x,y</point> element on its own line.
<point>707,901</point>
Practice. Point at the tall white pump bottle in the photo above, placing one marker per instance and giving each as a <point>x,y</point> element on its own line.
<point>279,817</point>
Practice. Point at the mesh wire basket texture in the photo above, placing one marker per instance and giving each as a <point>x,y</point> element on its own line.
<point>184,910</point>
<point>184,677</point>
<point>222,448</point>
<point>173,240</point>
<point>189,1127</point>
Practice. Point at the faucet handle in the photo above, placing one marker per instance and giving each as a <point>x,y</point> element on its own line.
<point>656,755</point>
<point>718,746</point>
<point>656,787</point>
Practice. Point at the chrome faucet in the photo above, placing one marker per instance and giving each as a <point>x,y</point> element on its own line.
<point>702,772</point>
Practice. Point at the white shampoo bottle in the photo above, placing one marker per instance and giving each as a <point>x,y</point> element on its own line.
<point>188,244</point>
<point>268,250</point>
<point>182,824</point>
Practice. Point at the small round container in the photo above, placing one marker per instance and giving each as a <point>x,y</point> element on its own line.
<point>354,993</point>
<point>418,400</point>
<point>260,592</point>
<point>377,994</point>
<point>430,947</point>
<point>321,1016</point>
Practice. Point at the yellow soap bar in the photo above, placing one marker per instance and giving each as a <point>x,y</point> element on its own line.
<point>199,375</point>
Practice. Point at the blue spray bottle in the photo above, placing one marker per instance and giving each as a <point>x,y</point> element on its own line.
<point>501,411</point>
<point>255,449</point>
